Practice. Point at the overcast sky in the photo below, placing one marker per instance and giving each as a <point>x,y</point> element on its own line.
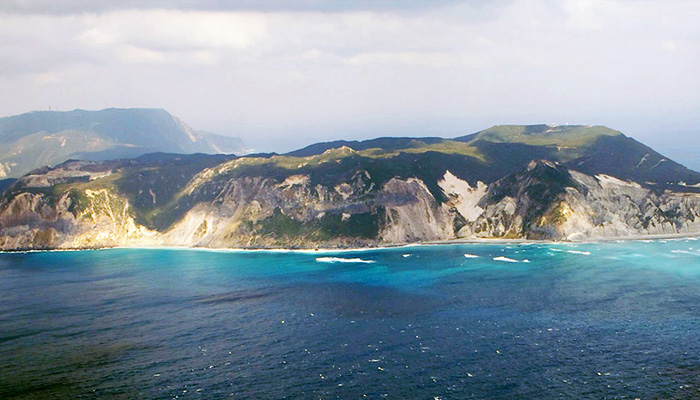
<point>282,75</point>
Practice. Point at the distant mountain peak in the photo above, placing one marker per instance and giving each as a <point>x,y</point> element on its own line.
<point>35,139</point>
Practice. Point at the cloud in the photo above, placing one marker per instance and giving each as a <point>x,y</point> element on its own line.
<point>99,6</point>
<point>168,29</point>
<point>432,59</point>
<point>133,54</point>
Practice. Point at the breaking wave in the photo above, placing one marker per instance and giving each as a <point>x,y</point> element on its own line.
<point>343,260</point>
<point>505,259</point>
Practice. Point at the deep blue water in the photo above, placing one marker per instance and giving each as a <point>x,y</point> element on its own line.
<point>421,322</point>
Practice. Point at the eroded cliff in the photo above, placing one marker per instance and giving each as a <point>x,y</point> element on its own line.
<point>545,200</point>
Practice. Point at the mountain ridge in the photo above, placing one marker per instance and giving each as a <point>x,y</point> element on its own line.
<point>578,146</point>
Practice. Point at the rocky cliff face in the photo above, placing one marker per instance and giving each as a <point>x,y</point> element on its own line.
<point>548,201</point>
<point>89,219</point>
<point>75,207</point>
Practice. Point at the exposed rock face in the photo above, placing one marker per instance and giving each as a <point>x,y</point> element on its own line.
<point>35,221</point>
<point>543,201</point>
<point>463,197</point>
<point>614,209</point>
<point>402,211</point>
<point>412,214</point>
<point>261,212</point>
<point>547,201</point>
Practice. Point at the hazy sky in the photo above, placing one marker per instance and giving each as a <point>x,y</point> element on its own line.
<point>283,75</point>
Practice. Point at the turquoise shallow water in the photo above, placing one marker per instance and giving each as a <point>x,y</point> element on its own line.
<point>598,321</point>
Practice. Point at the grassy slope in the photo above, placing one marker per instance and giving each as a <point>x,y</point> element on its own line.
<point>542,135</point>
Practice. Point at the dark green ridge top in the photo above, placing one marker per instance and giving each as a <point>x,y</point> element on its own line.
<point>571,135</point>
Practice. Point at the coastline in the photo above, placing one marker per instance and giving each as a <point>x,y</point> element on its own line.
<point>321,250</point>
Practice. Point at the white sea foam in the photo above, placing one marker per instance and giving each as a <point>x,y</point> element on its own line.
<point>342,260</point>
<point>585,253</point>
<point>505,259</point>
<point>467,255</point>
<point>685,252</point>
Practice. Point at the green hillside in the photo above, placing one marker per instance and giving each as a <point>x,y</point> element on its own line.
<point>542,135</point>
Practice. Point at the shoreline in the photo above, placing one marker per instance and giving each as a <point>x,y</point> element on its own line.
<point>318,250</point>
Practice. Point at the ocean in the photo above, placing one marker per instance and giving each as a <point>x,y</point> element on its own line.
<point>614,320</point>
